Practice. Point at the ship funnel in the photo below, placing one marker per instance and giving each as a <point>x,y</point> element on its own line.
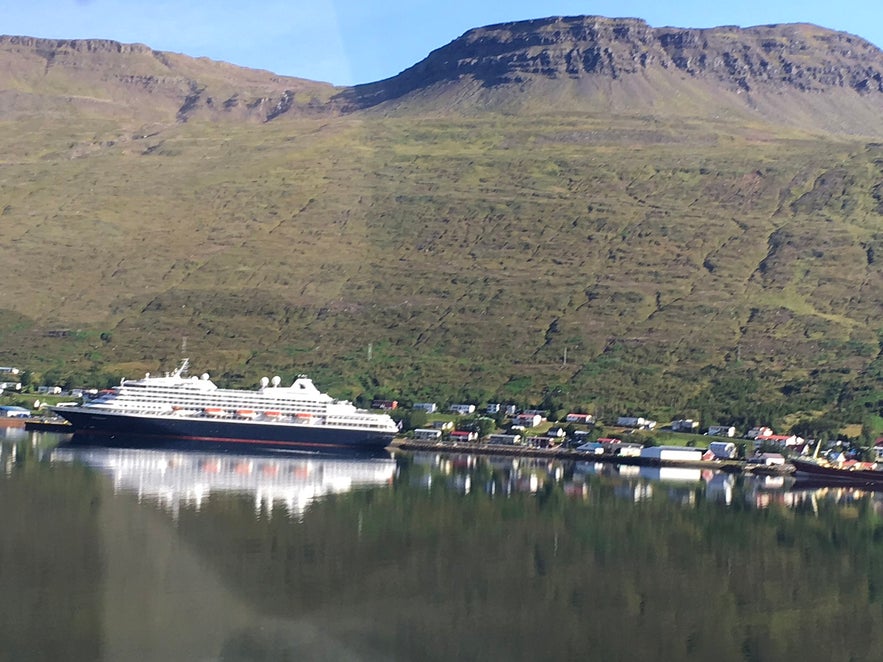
<point>277,380</point>
<point>264,382</point>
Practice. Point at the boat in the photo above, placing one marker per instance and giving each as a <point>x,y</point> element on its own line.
<point>855,473</point>
<point>176,406</point>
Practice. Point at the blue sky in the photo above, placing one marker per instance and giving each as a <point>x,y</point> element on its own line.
<point>357,41</point>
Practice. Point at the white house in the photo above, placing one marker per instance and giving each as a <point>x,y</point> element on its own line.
<point>527,420</point>
<point>636,422</point>
<point>721,431</point>
<point>462,409</point>
<point>428,407</point>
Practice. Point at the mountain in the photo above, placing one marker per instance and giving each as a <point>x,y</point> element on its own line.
<point>582,211</point>
<point>801,75</point>
<point>131,81</point>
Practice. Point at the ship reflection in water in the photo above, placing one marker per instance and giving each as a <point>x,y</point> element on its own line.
<point>187,478</point>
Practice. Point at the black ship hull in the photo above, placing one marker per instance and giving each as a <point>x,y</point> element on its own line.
<point>157,431</point>
<point>807,471</point>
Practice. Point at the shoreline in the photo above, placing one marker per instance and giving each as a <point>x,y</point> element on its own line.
<point>728,466</point>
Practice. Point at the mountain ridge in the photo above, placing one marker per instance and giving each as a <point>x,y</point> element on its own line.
<point>796,74</point>
<point>622,63</point>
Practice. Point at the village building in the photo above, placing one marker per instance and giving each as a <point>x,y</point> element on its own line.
<point>635,422</point>
<point>527,420</point>
<point>784,440</point>
<point>462,409</point>
<point>427,434</point>
<point>504,439</point>
<point>685,425</point>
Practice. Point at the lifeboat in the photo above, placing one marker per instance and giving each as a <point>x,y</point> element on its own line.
<point>214,411</point>
<point>246,413</point>
<point>272,414</point>
<point>303,418</point>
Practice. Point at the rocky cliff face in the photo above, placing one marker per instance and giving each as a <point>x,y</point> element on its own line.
<point>585,51</point>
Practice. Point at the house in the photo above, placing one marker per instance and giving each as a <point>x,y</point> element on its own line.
<point>556,432</point>
<point>586,419</point>
<point>462,409</point>
<point>504,439</point>
<point>542,413</point>
<point>463,435</point>
<point>778,439</point>
<point>428,407</point>
<point>635,422</point>
<point>620,449</point>
<point>493,408</point>
<point>685,425</point>
<point>527,420</point>
<point>721,431</point>
<point>768,459</point>
<point>427,434</point>
<point>12,386</point>
<point>511,410</point>
<point>384,404</point>
<point>722,450</point>
<point>591,447</point>
<point>443,425</point>
<point>49,390</point>
<point>754,433</point>
<point>609,440</point>
<point>541,442</point>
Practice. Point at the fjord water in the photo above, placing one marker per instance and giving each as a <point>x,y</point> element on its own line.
<point>149,555</point>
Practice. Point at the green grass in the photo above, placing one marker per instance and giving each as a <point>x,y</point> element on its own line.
<point>470,254</point>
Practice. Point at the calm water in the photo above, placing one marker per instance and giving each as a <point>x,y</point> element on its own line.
<point>145,555</point>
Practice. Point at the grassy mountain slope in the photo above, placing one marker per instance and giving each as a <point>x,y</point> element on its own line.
<point>673,259</point>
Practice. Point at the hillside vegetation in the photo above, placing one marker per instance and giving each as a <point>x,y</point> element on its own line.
<point>637,261</point>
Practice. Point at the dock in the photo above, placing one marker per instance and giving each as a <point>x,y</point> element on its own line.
<point>47,425</point>
<point>728,466</point>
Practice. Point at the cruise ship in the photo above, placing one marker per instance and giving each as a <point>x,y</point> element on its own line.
<point>181,407</point>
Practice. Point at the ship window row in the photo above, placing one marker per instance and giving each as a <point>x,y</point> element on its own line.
<point>264,403</point>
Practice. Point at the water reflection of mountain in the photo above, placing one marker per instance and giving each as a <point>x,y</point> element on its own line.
<point>459,559</point>
<point>176,479</point>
